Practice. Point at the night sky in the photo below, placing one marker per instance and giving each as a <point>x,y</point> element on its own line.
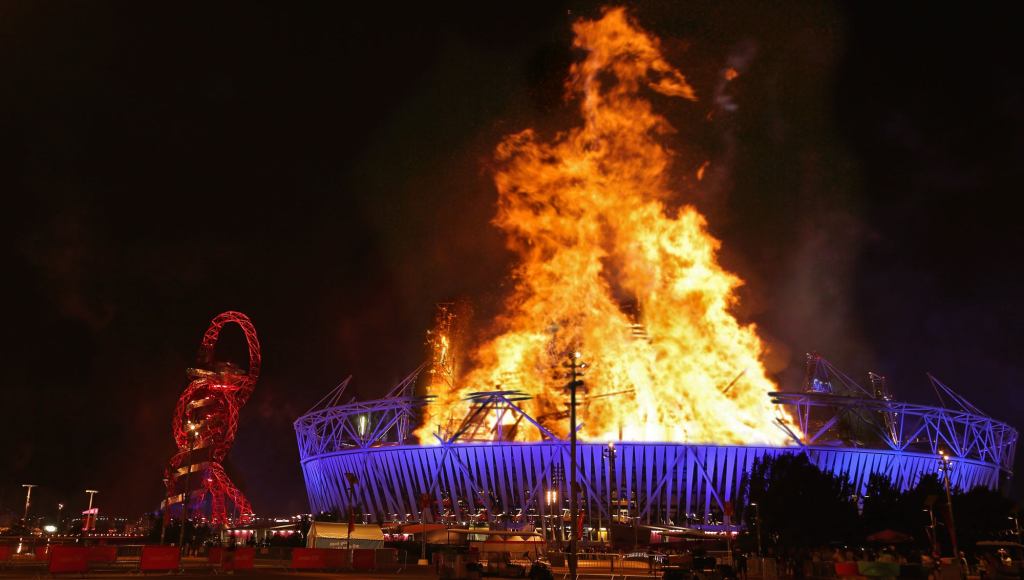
<point>327,170</point>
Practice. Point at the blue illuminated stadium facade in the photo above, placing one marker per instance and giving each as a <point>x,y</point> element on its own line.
<point>359,454</point>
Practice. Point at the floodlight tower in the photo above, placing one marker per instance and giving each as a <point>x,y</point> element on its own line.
<point>90,519</point>
<point>28,498</point>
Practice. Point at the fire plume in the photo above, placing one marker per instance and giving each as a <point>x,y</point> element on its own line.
<point>605,267</point>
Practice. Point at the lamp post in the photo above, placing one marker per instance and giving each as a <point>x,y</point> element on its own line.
<point>352,480</point>
<point>193,434</point>
<point>575,366</point>
<point>609,455</point>
<point>90,521</point>
<point>60,518</point>
<point>945,466</point>
<point>551,497</point>
<point>757,524</point>
<point>28,499</point>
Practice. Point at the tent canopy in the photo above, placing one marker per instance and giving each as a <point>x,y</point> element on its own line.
<point>336,531</point>
<point>420,528</point>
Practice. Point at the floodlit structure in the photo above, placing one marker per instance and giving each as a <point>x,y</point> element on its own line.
<point>205,422</point>
<point>361,455</point>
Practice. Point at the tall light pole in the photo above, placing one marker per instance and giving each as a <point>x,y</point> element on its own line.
<point>609,455</point>
<point>945,466</point>
<point>90,522</point>
<point>555,514</point>
<point>757,524</point>
<point>575,366</point>
<point>193,433</point>
<point>60,518</point>
<point>91,492</point>
<point>353,479</point>
<point>28,499</point>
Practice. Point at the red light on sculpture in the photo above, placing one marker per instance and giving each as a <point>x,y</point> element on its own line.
<point>220,390</point>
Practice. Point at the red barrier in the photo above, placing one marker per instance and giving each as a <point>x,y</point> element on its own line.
<point>318,558</point>
<point>309,558</point>
<point>5,553</point>
<point>847,569</point>
<point>69,559</point>
<point>215,554</point>
<point>103,554</point>
<point>337,558</point>
<point>386,556</point>
<point>240,559</point>
<point>364,559</point>
<point>42,552</point>
<point>160,558</point>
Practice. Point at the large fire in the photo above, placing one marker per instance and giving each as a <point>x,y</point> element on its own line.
<point>607,269</point>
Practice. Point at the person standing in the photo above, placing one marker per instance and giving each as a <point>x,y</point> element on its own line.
<point>741,565</point>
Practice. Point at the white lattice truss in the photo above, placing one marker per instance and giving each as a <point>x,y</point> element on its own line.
<point>478,471</point>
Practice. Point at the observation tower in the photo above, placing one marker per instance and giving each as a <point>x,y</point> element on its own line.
<point>205,422</point>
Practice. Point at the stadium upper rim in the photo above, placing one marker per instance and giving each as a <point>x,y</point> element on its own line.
<point>832,411</point>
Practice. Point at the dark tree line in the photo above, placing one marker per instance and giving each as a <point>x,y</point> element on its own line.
<point>794,505</point>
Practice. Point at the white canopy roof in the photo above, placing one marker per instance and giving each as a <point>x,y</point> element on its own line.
<point>339,531</point>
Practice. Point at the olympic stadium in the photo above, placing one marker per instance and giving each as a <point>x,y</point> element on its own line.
<point>361,455</point>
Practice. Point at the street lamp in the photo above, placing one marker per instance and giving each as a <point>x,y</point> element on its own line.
<point>60,518</point>
<point>757,524</point>
<point>28,499</point>
<point>551,498</point>
<point>90,521</point>
<point>945,466</point>
<point>609,455</point>
<point>575,366</point>
<point>353,479</point>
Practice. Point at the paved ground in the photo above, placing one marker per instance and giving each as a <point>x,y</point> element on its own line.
<point>198,568</point>
<point>31,572</point>
<point>258,574</point>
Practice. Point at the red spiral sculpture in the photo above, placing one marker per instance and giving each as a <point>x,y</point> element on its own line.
<point>205,422</point>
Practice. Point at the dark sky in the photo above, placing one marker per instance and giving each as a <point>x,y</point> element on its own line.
<point>325,169</point>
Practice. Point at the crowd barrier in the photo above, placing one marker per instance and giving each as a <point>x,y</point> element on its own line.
<point>103,554</point>
<point>238,559</point>
<point>327,558</point>
<point>160,559</point>
<point>68,559</point>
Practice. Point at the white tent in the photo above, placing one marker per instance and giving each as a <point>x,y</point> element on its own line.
<point>515,545</point>
<point>336,535</point>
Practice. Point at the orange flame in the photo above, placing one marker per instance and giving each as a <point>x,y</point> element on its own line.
<point>586,214</point>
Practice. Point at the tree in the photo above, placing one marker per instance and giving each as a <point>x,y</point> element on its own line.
<point>982,514</point>
<point>800,506</point>
<point>882,507</point>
